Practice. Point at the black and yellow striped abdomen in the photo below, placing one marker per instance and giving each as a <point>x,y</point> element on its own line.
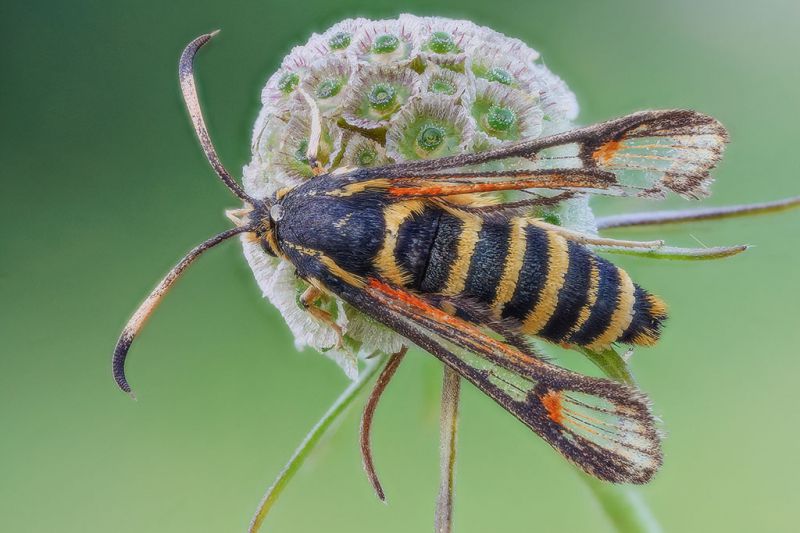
<point>552,287</point>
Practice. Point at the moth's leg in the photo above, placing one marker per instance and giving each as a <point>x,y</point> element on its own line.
<point>584,238</point>
<point>366,419</point>
<point>239,216</point>
<point>314,136</point>
<point>308,300</point>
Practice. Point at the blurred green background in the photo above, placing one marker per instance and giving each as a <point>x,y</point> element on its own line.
<point>104,187</point>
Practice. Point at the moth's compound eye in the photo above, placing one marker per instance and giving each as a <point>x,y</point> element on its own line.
<point>276,212</point>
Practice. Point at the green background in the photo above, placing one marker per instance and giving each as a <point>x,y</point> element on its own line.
<point>104,187</point>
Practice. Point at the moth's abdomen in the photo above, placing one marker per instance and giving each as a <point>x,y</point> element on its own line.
<point>554,288</point>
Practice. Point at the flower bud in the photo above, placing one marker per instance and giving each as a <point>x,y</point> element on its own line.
<point>362,152</point>
<point>377,93</point>
<point>503,113</point>
<point>386,42</point>
<point>430,126</point>
<point>326,83</point>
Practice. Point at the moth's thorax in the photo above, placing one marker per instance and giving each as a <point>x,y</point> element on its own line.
<point>349,230</point>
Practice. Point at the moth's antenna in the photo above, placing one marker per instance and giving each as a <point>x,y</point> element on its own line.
<point>135,324</point>
<point>186,75</point>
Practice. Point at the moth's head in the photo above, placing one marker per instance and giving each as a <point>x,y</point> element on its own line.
<point>261,220</point>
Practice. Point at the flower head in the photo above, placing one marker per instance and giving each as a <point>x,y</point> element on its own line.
<point>389,91</point>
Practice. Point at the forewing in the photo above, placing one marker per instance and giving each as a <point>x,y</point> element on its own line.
<point>603,427</point>
<point>645,154</point>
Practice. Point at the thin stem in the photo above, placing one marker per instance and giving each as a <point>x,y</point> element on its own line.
<point>451,389</point>
<point>312,438</point>
<point>694,215</point>
<point>676,254</point>
<point>367,416</point>
<point>622,504</point>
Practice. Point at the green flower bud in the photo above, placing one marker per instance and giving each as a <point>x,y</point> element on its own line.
<point>366,157</point>
<point>328,88</point>
<point>432,126</point>
<point>363,152</point>
<point>441,42</point>
<point>377,93</point>
<point>385,44</point>
<point>440,80</point>
<point>503,113</point>
<point>430,137</point>
<point>442,86</point>
<point>382,96</point>
<point>500,118</point>
<point>340,40</point>
<point>326,81</point>
<point>288,82</point>
<point>500,75</point>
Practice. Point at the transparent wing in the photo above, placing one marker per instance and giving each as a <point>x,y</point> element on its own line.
<point>645,154</point>
<point>602,426</point>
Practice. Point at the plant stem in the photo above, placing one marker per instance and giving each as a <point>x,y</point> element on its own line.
<point>622,504</point>
<point>312,438</point>
<point>451,389</point>
<point>695,215</point>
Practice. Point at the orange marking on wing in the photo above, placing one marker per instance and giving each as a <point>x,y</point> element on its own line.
<point>477,337</point>
<point>552,404</point>
<point>550,182</point>
<point>606,152</point>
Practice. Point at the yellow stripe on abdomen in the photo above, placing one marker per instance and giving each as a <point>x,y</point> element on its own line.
<point>558,263</point>
<point>622,315</point>
<point>385,262</point>
<point>467,239</point>
<point>513,264</point>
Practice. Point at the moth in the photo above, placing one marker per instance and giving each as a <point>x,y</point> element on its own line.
<point>409,246</point>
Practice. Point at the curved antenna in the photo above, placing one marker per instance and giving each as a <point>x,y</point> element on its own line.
<point>137,321</point>
<point>189,90</point>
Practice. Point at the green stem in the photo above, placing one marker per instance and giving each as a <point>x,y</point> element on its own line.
<point>695,215</point>
<point>312,438</point>
<point>448,423</point>
<point>622,504</point>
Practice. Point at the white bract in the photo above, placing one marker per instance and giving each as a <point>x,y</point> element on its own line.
<point>383,88</point>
